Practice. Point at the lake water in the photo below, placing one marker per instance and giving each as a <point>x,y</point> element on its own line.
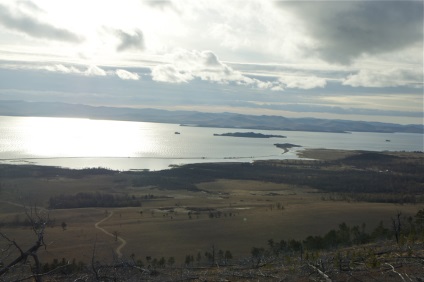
<point>123,145</point>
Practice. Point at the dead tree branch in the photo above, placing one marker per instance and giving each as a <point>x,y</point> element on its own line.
<point>38,225</point>
<point>325,276</point>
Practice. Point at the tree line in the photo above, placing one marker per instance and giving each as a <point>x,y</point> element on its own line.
<point>406,231</point>
<point>85,200</point>
<point>374,177</point>
<point>402,229</point>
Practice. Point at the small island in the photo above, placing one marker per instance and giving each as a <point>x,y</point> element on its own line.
<point>249,135</point>
<point>286,146</point>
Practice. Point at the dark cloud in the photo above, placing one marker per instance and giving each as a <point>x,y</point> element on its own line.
<point>33,27</point>
<point>347,29</point>
<point>133,40</point>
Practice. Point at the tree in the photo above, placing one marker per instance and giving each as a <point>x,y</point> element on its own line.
<point>257,254</point>
<point>38,221</point>
<point>188,259</point>
<point>220,255</point>
<point>396,225</point>
<point>171,261</point>
<point>198,258</point>
<point>162,262</point>
<point>228,255</point>
<point>343,234</point>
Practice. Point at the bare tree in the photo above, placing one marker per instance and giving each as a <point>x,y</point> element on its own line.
<point>38,220</point>
<point>396,225</point>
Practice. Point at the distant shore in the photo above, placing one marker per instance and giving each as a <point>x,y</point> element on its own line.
<point>250,135</point>
<point>199,119</point>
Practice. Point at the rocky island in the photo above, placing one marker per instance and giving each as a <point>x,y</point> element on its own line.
<point>249,135</point>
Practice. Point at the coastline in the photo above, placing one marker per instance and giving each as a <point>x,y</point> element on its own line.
<point>152,146</point>
<point>158,164</point>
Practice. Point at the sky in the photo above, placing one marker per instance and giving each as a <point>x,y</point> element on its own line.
<point>352,60</point>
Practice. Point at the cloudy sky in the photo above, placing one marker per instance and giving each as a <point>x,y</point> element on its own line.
<point>358,60</point>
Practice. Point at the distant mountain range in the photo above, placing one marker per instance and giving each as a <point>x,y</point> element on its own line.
<point>193,118</point>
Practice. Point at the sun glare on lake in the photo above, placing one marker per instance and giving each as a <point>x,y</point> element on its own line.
<point>70,137</point>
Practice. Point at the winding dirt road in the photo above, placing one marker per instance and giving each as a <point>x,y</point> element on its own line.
<point>120,239</point>
<point>96,225</point>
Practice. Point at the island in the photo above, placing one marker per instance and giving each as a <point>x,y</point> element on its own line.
<point>249,135</point>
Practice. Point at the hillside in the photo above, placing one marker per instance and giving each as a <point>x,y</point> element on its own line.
<point>352,215</point>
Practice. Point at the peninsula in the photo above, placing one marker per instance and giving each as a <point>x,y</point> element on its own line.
<point>286,146</point>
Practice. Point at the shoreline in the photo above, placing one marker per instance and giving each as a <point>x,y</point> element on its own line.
<point>156,164</point>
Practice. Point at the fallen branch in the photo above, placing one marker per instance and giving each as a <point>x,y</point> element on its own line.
<point>325,276</point>
<point>393,269</point>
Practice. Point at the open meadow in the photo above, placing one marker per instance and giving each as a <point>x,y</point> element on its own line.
<point>197,208</point>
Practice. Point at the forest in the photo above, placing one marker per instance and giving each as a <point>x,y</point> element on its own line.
<point>84,200</point>
<point>366,176</point>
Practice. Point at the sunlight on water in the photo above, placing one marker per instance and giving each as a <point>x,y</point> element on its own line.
<point>123,145</point>
<point>61,137</point>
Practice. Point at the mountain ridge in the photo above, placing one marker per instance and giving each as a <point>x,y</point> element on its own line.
<point>200,119</point>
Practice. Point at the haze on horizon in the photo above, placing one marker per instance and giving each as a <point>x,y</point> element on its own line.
<point>357,60</point>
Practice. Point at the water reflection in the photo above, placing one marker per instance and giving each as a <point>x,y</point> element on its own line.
<point>62,137</point>
<point>79,143</point>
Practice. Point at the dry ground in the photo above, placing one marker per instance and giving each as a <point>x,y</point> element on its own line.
<point>231,215</point>
<point>250,213</point>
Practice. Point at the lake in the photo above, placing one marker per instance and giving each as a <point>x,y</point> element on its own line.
<point>125,145</point>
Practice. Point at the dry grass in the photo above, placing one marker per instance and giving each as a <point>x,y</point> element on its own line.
<point>249,217</point>
<point>251,213</point>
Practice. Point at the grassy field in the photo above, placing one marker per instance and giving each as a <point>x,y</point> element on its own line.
<point>229,214</point>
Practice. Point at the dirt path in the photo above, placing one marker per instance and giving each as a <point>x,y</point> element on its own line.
<point>96,225</point>
<point>120,239</point>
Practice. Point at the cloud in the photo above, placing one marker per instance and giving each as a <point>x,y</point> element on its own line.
<point>169,73</point>
<point>91,71</point>
<point>188,65</point>
<point>95,71</point>
<point>126,75</point>
<point>30,6</point>
<point>160,4</point>
<point>345,30</point>
<point>29,25</point>
<point>303,82</point>
<point>62,69</point>
<point>134,40</point>
<point>390,77</point>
